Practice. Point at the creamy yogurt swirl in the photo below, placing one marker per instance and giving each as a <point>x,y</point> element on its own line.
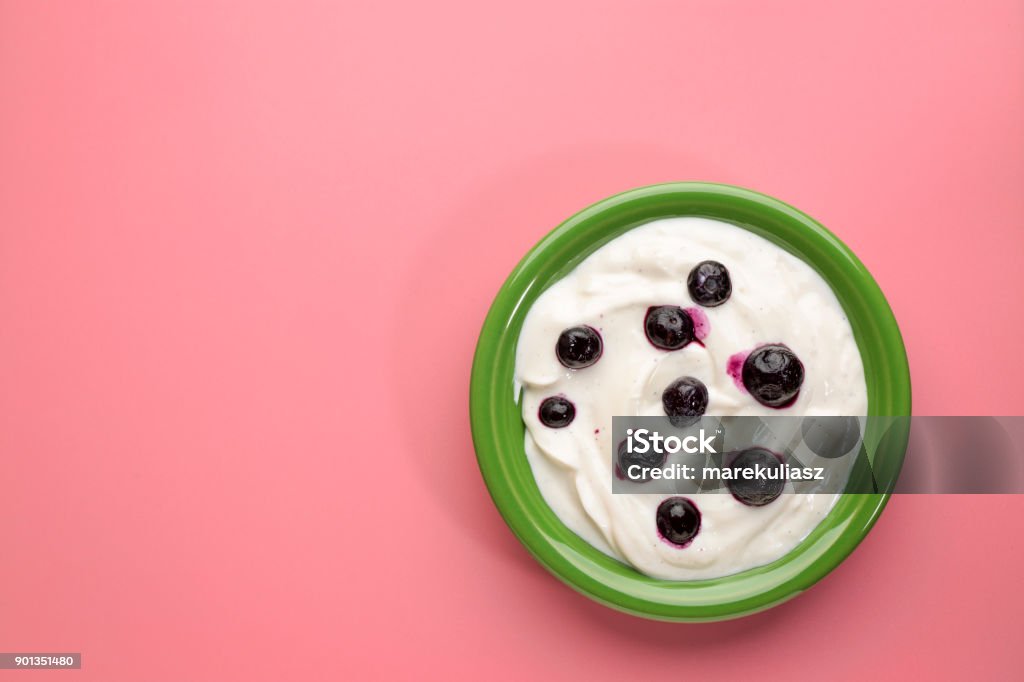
<point>776,298</point>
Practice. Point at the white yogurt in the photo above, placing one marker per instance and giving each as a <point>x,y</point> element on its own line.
<point>776,298</point>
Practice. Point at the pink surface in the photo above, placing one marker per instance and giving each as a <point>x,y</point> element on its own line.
<point>245,253</point>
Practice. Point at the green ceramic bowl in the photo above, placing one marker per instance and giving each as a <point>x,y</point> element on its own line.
<point>498,429</point>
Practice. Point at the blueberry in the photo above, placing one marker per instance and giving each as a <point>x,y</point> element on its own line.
<point>773,374</point>
<point>556,412</point>
<point>831,437</point>
<point>709,284</point>
<point>678,520</point>
<point>649,459</point>
<point>757,492</point>
<point>668,327</point>
<point>579,347</point>
<point>685,401</point>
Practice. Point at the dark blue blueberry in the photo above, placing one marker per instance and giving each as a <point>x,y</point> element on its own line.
<point>831,437</point>
<point>773,374</point>
<point>678,521</point>
<point>668,327</point>
<point>579,347</point>
<point>556,412</point>
<point>647,460</point>
<point>685,401</point>
<point>760,489</point>
<point>709,284</point>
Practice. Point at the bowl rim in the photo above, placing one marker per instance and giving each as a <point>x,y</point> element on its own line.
<point>495,411</point>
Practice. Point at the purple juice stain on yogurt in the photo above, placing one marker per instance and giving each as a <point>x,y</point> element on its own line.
<point>734,368</point>
<point>701,326</point>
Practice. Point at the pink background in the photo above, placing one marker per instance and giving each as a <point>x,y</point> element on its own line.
<point>246,248</point>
